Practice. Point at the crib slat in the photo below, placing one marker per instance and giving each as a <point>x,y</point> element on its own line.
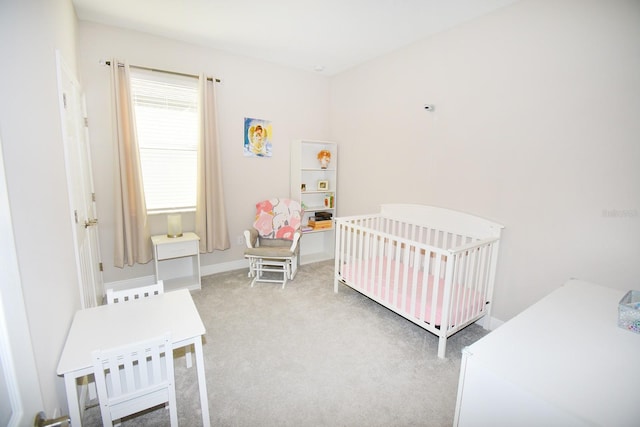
<point>463,288</point>
<point>348,236</point>
<point>396,275</point>
<point>463,299</point>
<point>485,263</point>
<point>372,260</point>
<point>356,254</point>
<point>435,293</point>
<point>364,241</point>
<point>445,319</point>
<point>414,281</point>
<point>338,256</point>
<point>472,290</point>
<point>405,259</point>
<point>380,258</point>
<point>425,285</point>
<point>455,280</point>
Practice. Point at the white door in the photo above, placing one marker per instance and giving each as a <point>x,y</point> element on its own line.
<point>80,186</point>
<point>20,398</point>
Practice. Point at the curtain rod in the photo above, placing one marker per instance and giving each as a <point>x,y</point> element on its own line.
<point>163,71</point>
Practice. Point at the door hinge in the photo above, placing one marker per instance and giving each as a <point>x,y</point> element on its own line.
<point>93,197</point>
<point>100,266</point>
<point>86,122</point>
<point>64,100</point>
<point>75,214</point>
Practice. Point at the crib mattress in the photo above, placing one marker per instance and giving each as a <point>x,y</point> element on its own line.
<point>382,285</point>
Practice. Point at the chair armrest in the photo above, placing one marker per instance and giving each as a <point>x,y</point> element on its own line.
<point>250,238</point>
<point>296,238</point>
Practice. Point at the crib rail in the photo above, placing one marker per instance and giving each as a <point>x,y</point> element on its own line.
<point>440,280</point>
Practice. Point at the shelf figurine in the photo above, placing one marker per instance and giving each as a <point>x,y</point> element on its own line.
<point>324,156</point>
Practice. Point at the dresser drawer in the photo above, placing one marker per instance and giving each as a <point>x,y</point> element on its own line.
<point>177,249</point>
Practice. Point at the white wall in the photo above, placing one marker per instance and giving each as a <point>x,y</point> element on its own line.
<point>33,150</point>
<point>535,127</point>
<point>296,102</point>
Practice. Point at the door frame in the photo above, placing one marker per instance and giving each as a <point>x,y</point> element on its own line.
<point>19,379</point>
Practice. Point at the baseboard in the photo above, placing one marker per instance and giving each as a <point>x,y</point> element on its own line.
<point>223,267</point>
<point>205,270</point>
<point>493,323</point>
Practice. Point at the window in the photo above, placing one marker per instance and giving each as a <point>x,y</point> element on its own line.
<point>166,114</point>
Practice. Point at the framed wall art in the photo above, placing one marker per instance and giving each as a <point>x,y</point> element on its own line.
<point>257,137</point>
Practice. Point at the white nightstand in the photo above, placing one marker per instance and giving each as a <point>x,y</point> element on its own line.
<point>177,261</point>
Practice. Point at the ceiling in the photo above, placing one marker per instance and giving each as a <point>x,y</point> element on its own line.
<point>327,36</point>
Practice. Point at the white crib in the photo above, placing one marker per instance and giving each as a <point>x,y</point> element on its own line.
<point>433,266</point>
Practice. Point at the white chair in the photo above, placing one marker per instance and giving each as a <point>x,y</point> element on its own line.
<point>125,295</point>
<point>132,378</point>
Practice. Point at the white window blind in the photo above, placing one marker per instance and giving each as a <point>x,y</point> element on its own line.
<point>166,114</point>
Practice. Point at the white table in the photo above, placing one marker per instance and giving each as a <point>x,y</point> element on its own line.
<point>119,324</point>
<point>562,362</point>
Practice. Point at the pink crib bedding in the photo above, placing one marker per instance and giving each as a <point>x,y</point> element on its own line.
<point>463,299</point>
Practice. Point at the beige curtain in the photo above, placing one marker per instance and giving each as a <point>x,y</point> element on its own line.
<point>211,219</point>
<point>132,238</point>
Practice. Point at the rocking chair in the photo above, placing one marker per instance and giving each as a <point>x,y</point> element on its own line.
<point>272,243</point>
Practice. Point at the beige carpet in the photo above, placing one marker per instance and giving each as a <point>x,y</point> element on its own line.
<point>306,356</point>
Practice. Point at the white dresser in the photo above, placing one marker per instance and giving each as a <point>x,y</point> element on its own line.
<point>562,362</point>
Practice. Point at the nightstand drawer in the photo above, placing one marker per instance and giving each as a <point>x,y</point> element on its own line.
<point>177,249</point>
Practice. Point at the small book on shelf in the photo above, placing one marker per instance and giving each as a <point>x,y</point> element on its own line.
<point>321,215</point>
<point>320,224</point>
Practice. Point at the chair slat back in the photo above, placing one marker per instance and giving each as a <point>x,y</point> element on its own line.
<point>124,295</point>
<point>135,377</point>
<point>129,369</point>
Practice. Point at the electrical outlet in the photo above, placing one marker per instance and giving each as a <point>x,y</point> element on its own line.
<point>240,240</point>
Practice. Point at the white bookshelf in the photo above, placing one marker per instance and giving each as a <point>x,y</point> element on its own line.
<point>306,174</point>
